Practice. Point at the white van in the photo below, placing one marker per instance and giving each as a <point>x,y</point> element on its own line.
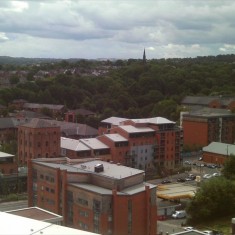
<point>179,214</point>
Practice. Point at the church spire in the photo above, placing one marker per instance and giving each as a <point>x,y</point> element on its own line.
<point>144,57</point>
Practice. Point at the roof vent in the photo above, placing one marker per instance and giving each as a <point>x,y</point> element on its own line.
<point>99,168</point>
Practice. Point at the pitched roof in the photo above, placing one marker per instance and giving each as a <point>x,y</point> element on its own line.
<point>72,144</point>
<point>83,112</point>
<point>114,120</point>
<point>40,123</point>
<point>199,100</point>
<point>220,148</point>
<point>94,143</point>
<point>39,106</point>
<point>154,120</point>
<point>10,122</point>
<point>116,137</point>
<point>210,112</point>
<point>70,128</point>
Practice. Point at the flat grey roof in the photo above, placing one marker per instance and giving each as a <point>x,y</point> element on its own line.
<point>133,129</point>
<point>110,170</point>
<point>129,191</point>
<point>154,120</point>
<point>94,143</point>
<point>116,137</point>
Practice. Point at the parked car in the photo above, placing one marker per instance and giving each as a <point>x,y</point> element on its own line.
<point>179,214</point>
<point>208,232</point>
<point>180,180</point>
<point>187,162</point>
<point>216,174</point>
<point>207,176</point>
<point>200,159</point>
<point>166,181</point>
<point>188,228</point>
<point>190,177</point>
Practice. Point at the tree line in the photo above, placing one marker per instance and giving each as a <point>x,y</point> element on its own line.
<point>130,89</point>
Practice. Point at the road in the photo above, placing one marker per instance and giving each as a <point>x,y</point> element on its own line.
<point>7,206</point>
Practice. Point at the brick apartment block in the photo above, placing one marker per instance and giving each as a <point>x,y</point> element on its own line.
<point>144,141</point>
<point>204,126</point>
<point>96,196</point>
<point>38,138</point>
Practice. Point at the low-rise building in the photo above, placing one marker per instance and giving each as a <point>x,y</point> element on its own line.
<point>217,153</point>
<point>8,164</point>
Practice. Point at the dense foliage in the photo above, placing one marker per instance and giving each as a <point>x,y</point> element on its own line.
<point>131,88</point>
<point>215,198</point>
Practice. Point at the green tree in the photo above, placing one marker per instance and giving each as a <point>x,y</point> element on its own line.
<point>229,168</point>
<point>14,80</point>
<point>215,199</point>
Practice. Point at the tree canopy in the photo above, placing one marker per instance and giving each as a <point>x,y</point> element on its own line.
<point>129,88</point>
<point>215,199</point>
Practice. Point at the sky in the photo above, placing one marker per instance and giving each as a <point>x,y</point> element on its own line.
<point>119,29</point>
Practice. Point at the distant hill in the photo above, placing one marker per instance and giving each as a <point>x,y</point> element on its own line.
<point>30,61</point>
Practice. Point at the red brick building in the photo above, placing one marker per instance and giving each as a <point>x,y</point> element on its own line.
<point>218,102</point>
<point>8,164</point>
<point>119,148</point>
<point>217,153</point>
<point>96,196</point>
<point>205,126</point>
<point>152,141</point>
<point>36,139</point>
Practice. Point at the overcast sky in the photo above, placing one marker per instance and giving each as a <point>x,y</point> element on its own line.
<point>119,29</point>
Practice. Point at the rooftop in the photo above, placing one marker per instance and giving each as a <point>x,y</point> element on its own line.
<point>14,225</point>
<point>154,120</point>
<point>116,171</point>
<point>114,120</point>
<point>175,191</point>
<point>94,143</point>
<point>4,155</point>
<point>72,144</point>
<point>132,129</point>
<point>111,170</point>
<point>116,137</point>
<point>36,213</point>
<point>127,191</point>
<point>220,148</point>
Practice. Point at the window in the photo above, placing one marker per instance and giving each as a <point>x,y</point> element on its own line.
<point>96,205</point>
<point>83,213</point>
<point>83,225</point>
<point>82,201</point>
